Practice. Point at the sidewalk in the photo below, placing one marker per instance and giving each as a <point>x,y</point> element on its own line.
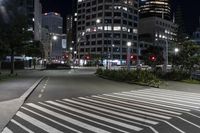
<point>181,86</point>
<point>13,92</point>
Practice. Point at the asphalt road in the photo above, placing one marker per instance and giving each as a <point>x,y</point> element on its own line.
<point>78,101</point>
<point>15,87</point>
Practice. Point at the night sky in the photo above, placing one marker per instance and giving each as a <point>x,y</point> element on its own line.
<point>190,8</point>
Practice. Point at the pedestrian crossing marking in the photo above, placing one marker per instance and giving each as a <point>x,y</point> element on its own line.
<point>124,112</point>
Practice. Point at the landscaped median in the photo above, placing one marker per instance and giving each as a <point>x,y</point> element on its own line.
<point>139,77</point>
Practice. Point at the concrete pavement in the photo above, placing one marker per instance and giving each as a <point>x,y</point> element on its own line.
<point>13,93</point>
<point>78,101</point>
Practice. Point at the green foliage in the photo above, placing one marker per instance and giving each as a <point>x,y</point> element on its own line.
<point>136,76</point>
<point>14,28</point>
<point>188,59</point>
<point>157,51</point>
<point>176,76</point>
<point>34,49</point>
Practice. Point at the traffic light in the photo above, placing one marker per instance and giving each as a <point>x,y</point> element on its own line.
<point>134,57</point>
<point>87,57</point>
<point>152,58</point>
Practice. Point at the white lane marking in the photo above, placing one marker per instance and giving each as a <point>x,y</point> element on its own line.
<point>40,95</point>
<point>22,126</point>
<point>112,116</point>
<point>139,105</point>
<point>68,119</point>
<point>52,120</point>
<point>96,116</point>
<point>37,123</point>
<point>44,87</point>
<point>114,112</point>
<point>7,130</point>
<point>174,94</point>
<point>147,97</point>
<point>170,98</point>
<point>150,103</point>
<point>189,122</point>
<point>168,123</point>
<point>42,90</point>
<point>125,108</point>
<point>180,92</point>
<point>82,117</point>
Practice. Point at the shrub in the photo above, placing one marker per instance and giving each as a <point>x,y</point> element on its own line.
<point>176,76</point>
<point>139,76</point>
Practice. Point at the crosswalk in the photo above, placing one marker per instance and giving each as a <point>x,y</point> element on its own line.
<point>149,110</point>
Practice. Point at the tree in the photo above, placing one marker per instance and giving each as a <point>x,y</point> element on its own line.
<point>14,28</point>
<point>153,56</point>
<point>188,59</point>
<point>34,49</point>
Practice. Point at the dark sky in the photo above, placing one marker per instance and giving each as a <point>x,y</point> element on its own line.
<point>191,10</point>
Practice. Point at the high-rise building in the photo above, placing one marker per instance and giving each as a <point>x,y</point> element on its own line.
<point>105,26</point>
<point>37,20</point>
<point>29,11</point>
<point>53,22</point>
<point>155,8</point>
<point>69,23</point>
<point>196,35</point>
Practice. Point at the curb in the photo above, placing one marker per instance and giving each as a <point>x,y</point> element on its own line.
<point>129,82</point>
<point>31,89</point>
<point>16,104</point>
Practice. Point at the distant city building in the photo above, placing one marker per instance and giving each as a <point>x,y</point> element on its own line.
<point>69,29</point>
<point>29,11</point>
<point>196,35</point>
<point>69,23</point>
<point>37,20</point>
<point>158,31</point>
<point>54,23</point>
<point>155,8</point>
<point>46,42</point>
<point>105,27</point>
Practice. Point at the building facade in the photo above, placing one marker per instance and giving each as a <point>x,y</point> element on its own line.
<point>158,31</point>
<point>53,22</point>
<point>105,26</point>
<point>37,20</point>
<point>155,8</point>
<point>196,35</point>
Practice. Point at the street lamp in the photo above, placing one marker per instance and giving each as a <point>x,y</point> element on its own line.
<point>113,45</point>
<point>128,55</point>
<point>98,21</point>
<point>55,38</point>
<point>176,50</point>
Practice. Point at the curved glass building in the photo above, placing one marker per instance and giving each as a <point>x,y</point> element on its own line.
<point>105,26</point>
<point>155,8</point>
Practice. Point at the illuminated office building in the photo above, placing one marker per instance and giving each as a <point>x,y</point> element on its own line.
<point>105,26</point>
<point>155,8</point>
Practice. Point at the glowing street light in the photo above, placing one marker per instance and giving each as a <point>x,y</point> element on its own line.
<point>55,38</point>
<point>128,55</point>
<point>176,50</point>
<point>98,21</point>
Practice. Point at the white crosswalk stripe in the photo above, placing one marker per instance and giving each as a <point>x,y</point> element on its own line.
<point>125,112</point>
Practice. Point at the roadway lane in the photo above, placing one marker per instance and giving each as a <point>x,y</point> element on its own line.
<point>75,83</point>
<point>77,101</point>
<point>15,87</point>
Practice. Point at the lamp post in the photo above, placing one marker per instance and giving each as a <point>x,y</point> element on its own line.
<point>52,38</point>
<point>176,50</point>
<point>166,55</point>
<point>107,52</point>
<point>98,21</point>
<point>128,55</point>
